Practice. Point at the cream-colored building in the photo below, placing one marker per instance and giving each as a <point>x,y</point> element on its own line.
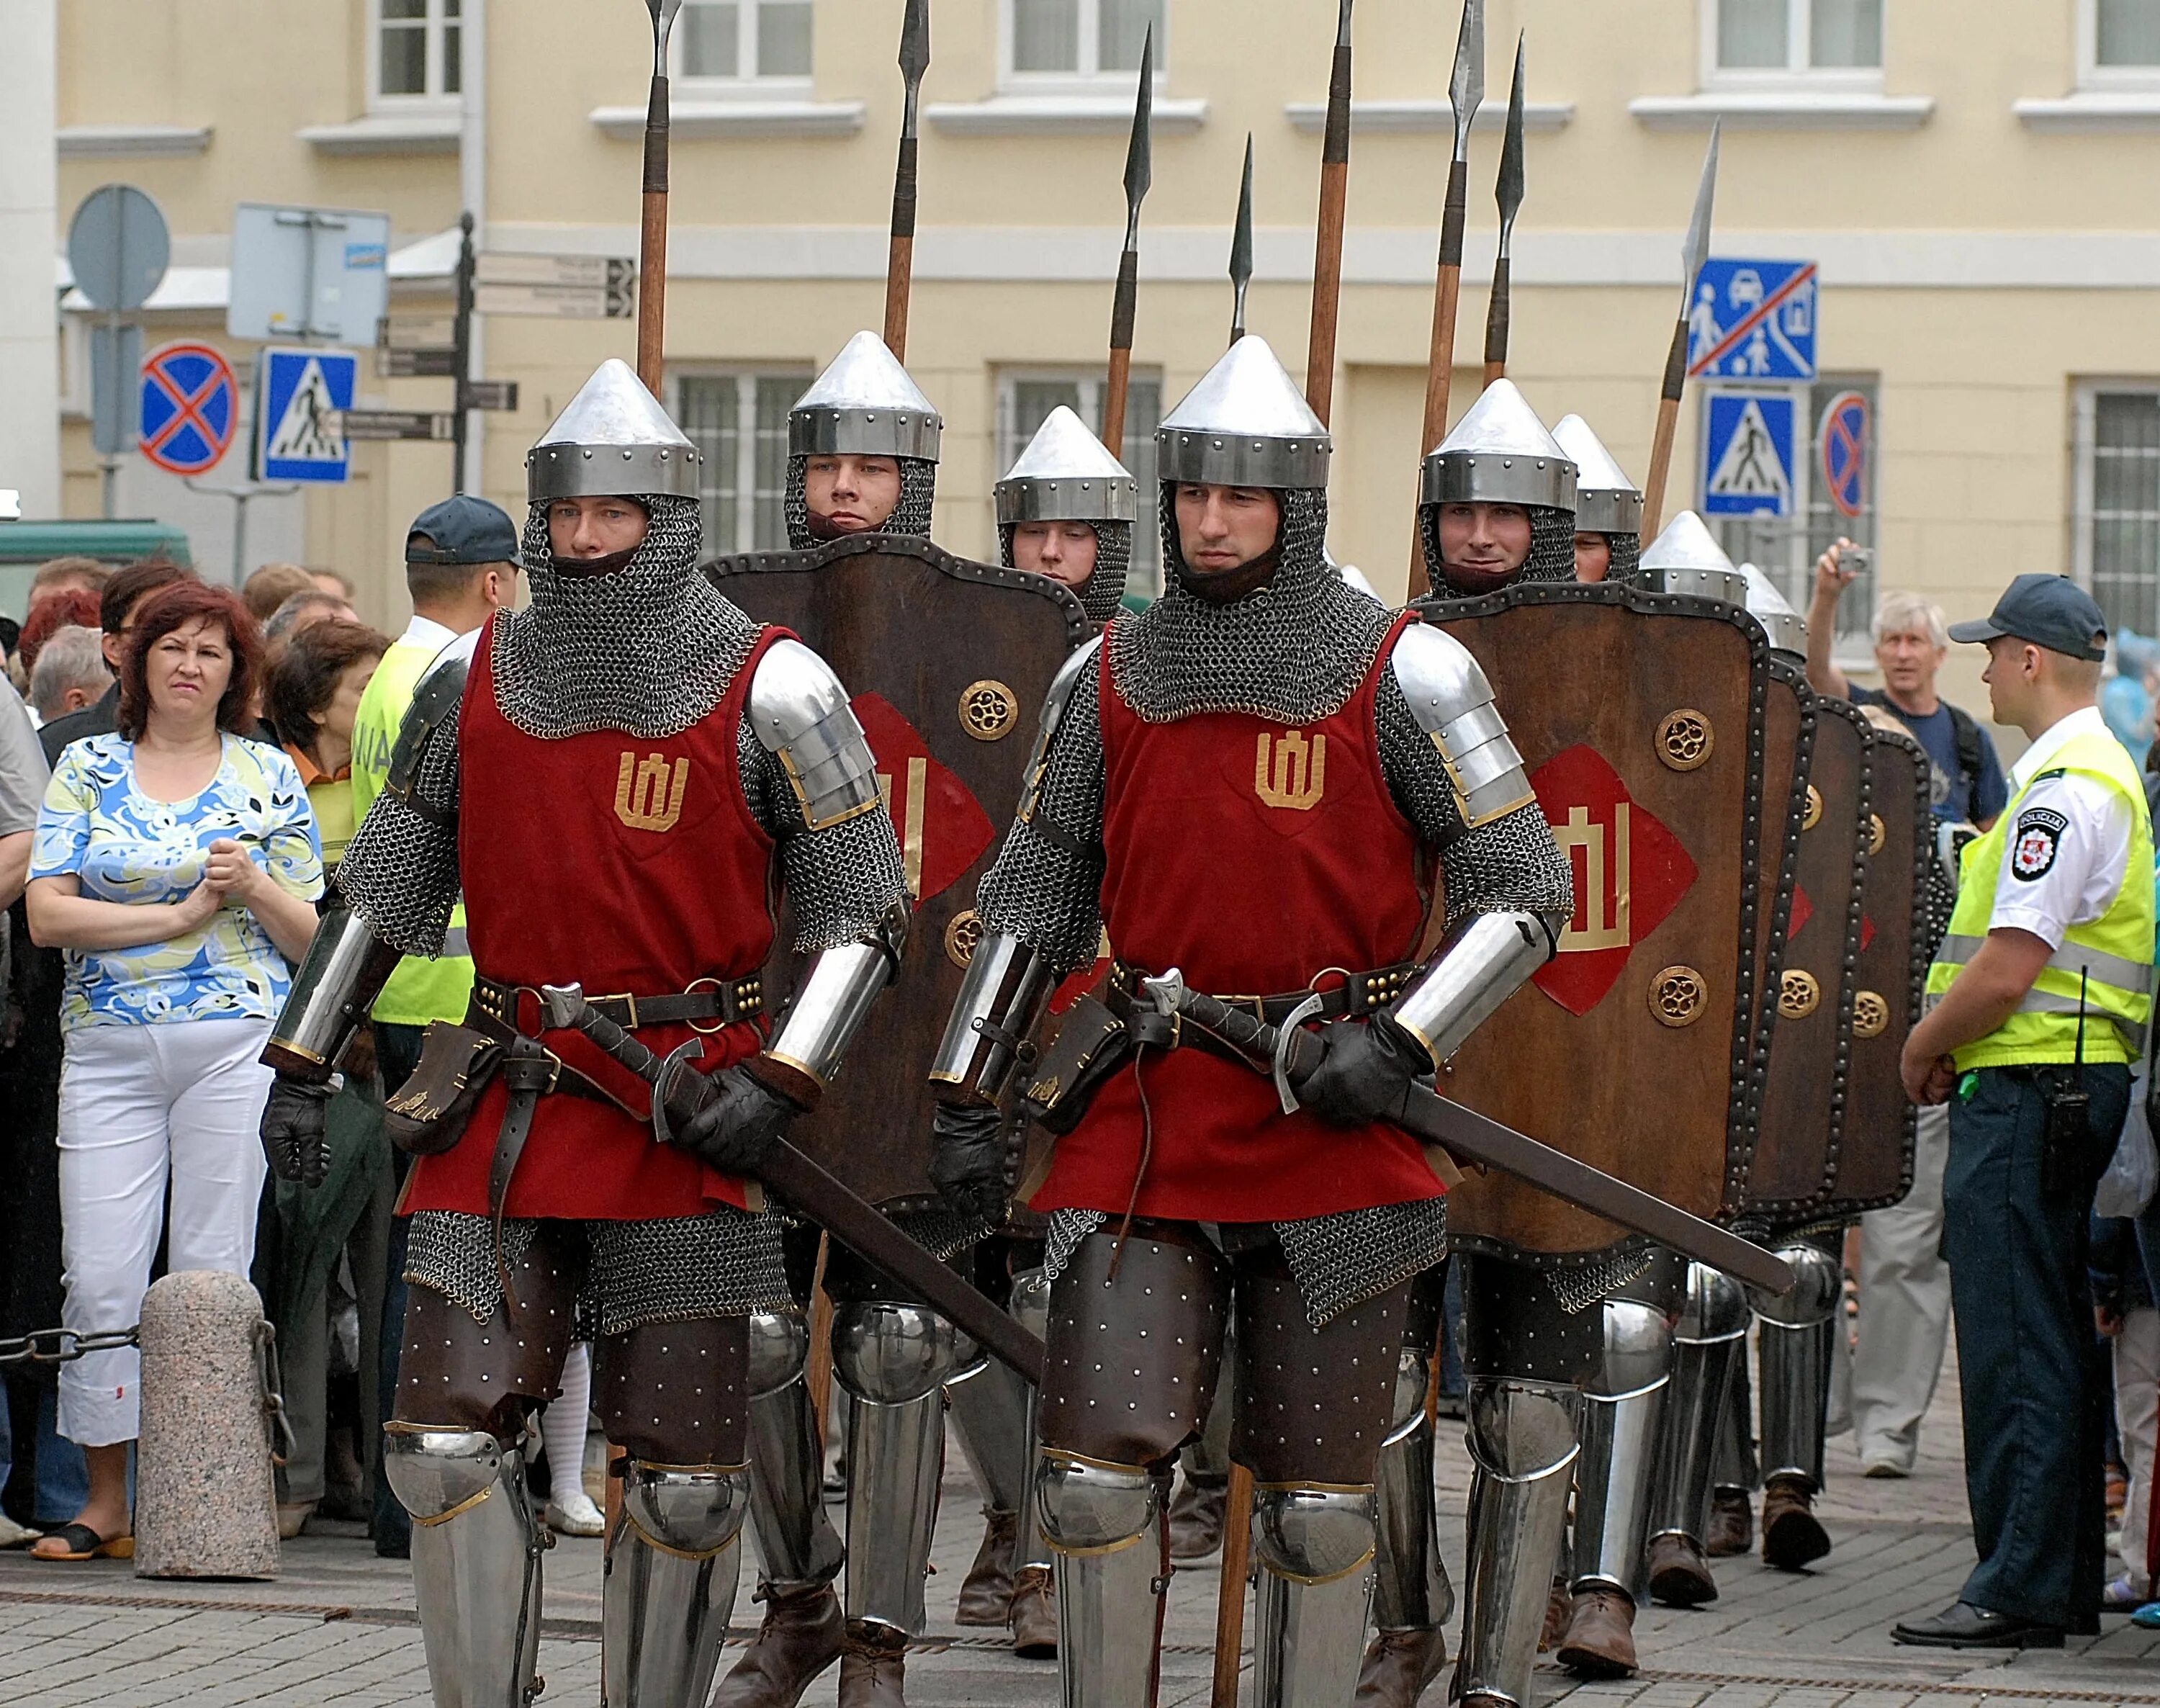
<point>1973,179</point>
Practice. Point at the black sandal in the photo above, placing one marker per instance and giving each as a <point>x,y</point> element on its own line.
<point>83,1542</point>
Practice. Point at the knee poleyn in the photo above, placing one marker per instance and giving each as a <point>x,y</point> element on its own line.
<point>1713,1307</point>
<point>1089,1506</point>
<point>1521,1429</point>
<point>436,1473</point>
<point>1030,1300</point>
<point>1639,1349</point>
<point>889,1353</point>
<point>1313,1535</point>
<point>779,1348</point>
<point>1818,1284</point>
<point>693,1509</point>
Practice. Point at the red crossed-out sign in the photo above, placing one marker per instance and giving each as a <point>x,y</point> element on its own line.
<point>190,407</point>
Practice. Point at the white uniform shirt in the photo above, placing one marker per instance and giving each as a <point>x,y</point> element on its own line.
<point>2069,841</point>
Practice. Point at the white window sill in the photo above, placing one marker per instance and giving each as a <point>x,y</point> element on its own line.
<point>1783,109</point>
<point>700,120</point>
<point>1426,117</point>
<point>2090,110</point>
<point>105,142</point>
<point>1060,115</point>
<point>388,133</point>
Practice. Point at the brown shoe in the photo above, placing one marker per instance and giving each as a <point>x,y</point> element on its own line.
<point>986,1595</point>
<point>800,1638</point>
<point>1732,1523</point>
<point>1399,1666</point>
<point>1033,1617</point>
<point>1195,1518</point>
<point>873,1666</point>
<point>1560,1609</point>
<point>1793,1537</point>
<point>1679,1576</point>
<point>1601,1637</point>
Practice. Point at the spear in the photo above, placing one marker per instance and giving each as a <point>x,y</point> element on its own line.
<point>1241,248</point>
<point>1327,240</point>
<point>1139,158</point>
<point>652,227</point>
<point>1508,193</point>
<point>899,262</point>
<point>1692,252</point>
<point>1466,91</point>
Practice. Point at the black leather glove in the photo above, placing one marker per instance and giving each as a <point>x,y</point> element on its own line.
<point>967,1159</point>
<point>294,1121</point>
<point>1368,1066</point>
<point>744,1120</point>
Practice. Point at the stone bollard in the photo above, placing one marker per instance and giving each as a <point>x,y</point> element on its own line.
<point>205,1503</point>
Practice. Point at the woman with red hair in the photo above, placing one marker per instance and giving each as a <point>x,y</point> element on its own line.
<point>176,864</point>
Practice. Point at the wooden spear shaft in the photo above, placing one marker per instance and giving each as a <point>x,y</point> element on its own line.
<point>1327,238</point>
<point>653,237</point>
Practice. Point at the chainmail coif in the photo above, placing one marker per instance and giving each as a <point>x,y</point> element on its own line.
<point>918,493</point>
<point>1100,596</point>
<point>1292,651</point>
<point>1627,550</point>
<point>649,650</point>
<point>1552,547</point>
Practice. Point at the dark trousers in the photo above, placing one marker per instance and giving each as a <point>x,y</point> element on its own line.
<point>2034,1383</point>
<point>397,1054</point>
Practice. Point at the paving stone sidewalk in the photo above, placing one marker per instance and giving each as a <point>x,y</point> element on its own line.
<point>337,1626</point>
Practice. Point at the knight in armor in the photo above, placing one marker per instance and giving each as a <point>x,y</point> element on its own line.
<point>1609,507</point>
<point>1065,510</point>
<point>862,450</point>
<point>1477,541</point>
<point>689,761</point>
<point>1264,743</point>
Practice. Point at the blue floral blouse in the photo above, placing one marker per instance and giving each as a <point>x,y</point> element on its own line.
<point>124,847</point>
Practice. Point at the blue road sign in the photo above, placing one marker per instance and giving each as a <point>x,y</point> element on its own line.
<point>1747,454</point>
<point>301,397</point>
<point>1753,320</point>
<point>190,407</point>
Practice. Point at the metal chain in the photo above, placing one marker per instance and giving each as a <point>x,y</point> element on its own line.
<point>63,1346</point>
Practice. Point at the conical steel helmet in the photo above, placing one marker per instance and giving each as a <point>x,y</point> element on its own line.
<point>1065,475</point>
<point>1606,501</point>
<point>613,438</point>
<point>1500,454</point>
<point>1787,628</point>
<point>1245,424</point>
<point>1685,558</point>
<point>864,405</point>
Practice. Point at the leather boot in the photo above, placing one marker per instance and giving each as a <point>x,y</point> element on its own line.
<point>1732,1523</point>
<point>1560,1609</point>
<point>799,1638</point>
<point>1033,1617</point>
<point>1196,1517</point>
<point>1398,1665</point>
<point>986,1595</point>
<point>1679,1576</point>
<point>1600,1636</point>
<point>873,1666</point>
<point>1793,1537</point>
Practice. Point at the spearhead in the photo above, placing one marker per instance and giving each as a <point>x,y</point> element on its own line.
<point>1697,249</point>
<point>663,20</point>
<point>1508,192</point>
<point>1343,25</point>
<point>1139,151</point>
<point>1465,88</point>
<point>1241,247</point>
<point>914,57</point>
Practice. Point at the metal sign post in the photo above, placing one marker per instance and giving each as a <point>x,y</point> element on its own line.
<point>118,248</point>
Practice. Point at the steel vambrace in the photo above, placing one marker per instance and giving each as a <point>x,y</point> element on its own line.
<point>1483,962</point>
<point>835,997</point>
<point>1001,998</point>
<point>344,971</point>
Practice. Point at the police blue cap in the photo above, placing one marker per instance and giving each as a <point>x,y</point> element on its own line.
<point>2050,611</point>
<point>462,530</point>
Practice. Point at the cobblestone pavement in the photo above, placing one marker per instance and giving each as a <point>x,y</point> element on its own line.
<point>337,1627</point>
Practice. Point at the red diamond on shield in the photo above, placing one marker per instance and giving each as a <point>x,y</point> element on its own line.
<point>1803,910</point>
<point>1630,872</point>
<point>943,829</point>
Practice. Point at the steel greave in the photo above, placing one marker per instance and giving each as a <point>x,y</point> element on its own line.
<point>670,1585</point>
<point>1708,1344</point>
<point>1313,1546</point>
<point>1612,1482</point>
<point>1410,1588</point>
<point>476,1552</point>
<point>796,1542</point>
<point>1798,1330</point>
<point>992,1417</point>
<point>1522,1447</point>
<point>1031,1307</point>
<point>1108,1528</point>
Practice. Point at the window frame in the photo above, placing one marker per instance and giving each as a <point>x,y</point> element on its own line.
<point>2095,77</point>
<point>433,27</point>
<point>744,377</point>
<point>790,86</point>
<point>2085,393</point>
<point>1078,80</point>
<point>1144,575</point>
<point>1796,72</point>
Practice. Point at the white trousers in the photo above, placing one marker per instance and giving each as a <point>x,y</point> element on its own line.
<point>1904,1306</point>
<point>2137,1402</point>
<point>177,1103</point>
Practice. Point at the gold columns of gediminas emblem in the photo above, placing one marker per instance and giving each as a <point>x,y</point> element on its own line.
<point>1605,904</point>
<point>648,792</point>
<point>908,821</point>
<point>1291,770</point>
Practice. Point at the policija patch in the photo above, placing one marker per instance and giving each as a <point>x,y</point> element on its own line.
<point>2039,839</point>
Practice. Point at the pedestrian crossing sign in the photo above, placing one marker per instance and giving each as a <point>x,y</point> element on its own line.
<point>1747,454</point>
<point>300,399</point>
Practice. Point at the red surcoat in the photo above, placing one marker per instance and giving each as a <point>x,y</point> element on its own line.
<point>1251,857</point>
<point>630,865</point>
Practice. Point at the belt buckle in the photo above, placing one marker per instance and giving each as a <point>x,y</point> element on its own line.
<point>515,1018</point>
<point>554,1072</point>
<point>628,1001</point>
<point>691,990</point>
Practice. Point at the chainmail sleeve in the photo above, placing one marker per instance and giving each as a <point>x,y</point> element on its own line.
<point>1510,863</point>
<point>400,874</point>
<point>1047,887</point>
<point>840,880</point>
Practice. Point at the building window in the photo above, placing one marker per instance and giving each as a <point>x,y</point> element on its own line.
<point>1026,398</point>
<point>417,52</point>
<point>1078,40</point>
<point>742,41</point>
<point>2118,485</point>
<point>2119,43</point>
<point>738,421</point>
<point>1777,41</point>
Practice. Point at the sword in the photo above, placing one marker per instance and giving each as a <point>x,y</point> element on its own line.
<point>678,1094</point>
<point>1508,193</point>
<point>653,229</point>
<point>1138,173</point>
<point>1291,1054</point>
<point>1692,251</point>
<point>900,258</point>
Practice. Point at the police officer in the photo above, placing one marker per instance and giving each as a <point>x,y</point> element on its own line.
<point>2039,1000</point>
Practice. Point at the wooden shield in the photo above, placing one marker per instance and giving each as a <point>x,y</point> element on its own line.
<point>1807,1007</point>
<point>947,663</point>
<point>1874,1158</point>
<point>1640,719</point>
<point>1789,737</point>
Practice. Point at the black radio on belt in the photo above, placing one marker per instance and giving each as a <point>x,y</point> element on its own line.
<point>2064,1163</point>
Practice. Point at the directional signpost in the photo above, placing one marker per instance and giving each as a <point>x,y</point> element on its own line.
<point>190,408</point>
<point>301,397</point>
<point>1747,454</point>
<point>559,287</point>
<point>1753,320</point>
<point>399,424</point>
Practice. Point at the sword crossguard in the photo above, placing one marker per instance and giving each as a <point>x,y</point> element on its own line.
<point>1166,991</point>
<point>673,1063</point>
<point>1285,1039</point>
<point>562,1005</point>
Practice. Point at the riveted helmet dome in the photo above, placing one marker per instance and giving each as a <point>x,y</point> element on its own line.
<point>1606,501</point>
<point>1787,628</point>
<point>613,438</point>
<point>1500,454</point>
<point>1065,475</point>
<point>865,405</point>
<point>1687,559</point>
<point>1245,424</point>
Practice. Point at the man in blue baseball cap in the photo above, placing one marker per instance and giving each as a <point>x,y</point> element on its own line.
<point>2039,1002</point>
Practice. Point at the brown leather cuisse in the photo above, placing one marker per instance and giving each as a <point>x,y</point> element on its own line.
<point>673,1393</point>
<point>1316,1402</point>
<point>465,1373</point>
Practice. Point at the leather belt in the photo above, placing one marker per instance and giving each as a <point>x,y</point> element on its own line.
<point>718,1003</point>
<point>1357,994</point>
